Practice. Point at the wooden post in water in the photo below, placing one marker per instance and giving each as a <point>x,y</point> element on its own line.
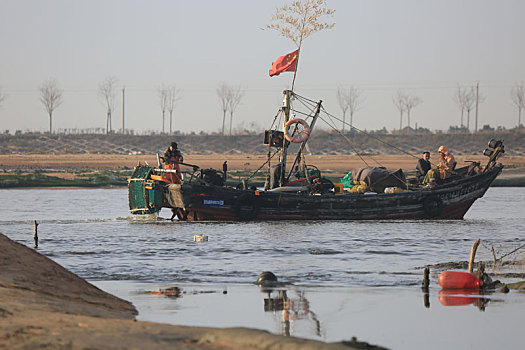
<point>472,256</point>
<point>36,234</point>
<point>426,281</point>
<point>424,287</point>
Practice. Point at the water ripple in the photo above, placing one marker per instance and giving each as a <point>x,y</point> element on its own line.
<point>106,243</point>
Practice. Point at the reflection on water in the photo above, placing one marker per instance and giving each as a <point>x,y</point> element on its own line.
<point>292,309</point>
<point>393,317</point>
<point>462,297</point>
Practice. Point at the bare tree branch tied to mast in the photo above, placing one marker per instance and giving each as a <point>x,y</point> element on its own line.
<point>300,19</point>
<point>51,98</point>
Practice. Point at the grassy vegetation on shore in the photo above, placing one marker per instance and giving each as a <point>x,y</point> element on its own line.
<point>39,179</point>
<point>118,178</point>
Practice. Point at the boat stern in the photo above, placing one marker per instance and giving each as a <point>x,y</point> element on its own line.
<point>144,194</point>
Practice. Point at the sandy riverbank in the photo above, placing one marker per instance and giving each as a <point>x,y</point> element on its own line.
<point>340,163</point>
<point>44,306</point>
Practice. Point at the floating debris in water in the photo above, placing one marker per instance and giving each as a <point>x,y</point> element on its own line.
<point>200,238</point>
<point>174,292</point>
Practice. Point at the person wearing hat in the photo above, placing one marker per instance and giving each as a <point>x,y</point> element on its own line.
<point>445,168</point>
<point>172,158</point>
<point>447,163</point>
<point>423,166</point>
<point>173,154</point>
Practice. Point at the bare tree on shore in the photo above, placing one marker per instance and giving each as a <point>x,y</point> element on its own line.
<point>465,99</point>
<point>349,100</point>
<point>410,103</point>
<point>342,99</point>
<point>235,97</point>
<point>172,98</point>
<point>470,102</point>
<point>223,91</point>
<point>51,98</point>
<point>299,20</point>
<point>478,98</point>
<point>460,99</point>
<point>2,96</point>
<point>163,99</point>
<point>399,101</point>
<point>517,95</point>
<point>107,91</point>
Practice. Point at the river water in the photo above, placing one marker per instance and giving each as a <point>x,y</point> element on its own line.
<point>340,279</point>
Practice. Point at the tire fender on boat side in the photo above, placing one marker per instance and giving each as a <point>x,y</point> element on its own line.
<point>246,207</point>
<point>302,136</point>
<point>433,206</point>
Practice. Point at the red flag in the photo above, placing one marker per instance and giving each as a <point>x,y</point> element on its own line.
<point>286,63</point>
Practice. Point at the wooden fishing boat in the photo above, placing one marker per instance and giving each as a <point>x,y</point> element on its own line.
<point>203,195</point>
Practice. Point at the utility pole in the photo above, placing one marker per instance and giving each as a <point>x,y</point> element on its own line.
<point>477,102</point>
<point>123,90</point>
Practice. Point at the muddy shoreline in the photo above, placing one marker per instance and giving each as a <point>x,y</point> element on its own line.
<point>47,307</point>
<point>340,163</point>
<point>101,170</point>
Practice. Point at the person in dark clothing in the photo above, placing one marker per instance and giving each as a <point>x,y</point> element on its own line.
<point>173,154</point>
<point>172,158</point>
<point>423,166</point>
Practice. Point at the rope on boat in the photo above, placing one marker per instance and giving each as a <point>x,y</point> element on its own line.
<point>349,142</point>
<point>370,135</point>
<point>304,101</point>
<point>310,104</point>
<point>332,125</point>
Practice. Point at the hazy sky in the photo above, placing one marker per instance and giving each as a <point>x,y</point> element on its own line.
<point>422,47</point>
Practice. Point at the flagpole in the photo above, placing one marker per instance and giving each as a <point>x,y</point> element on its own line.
<point>297,63</point>
<point>296,66</point>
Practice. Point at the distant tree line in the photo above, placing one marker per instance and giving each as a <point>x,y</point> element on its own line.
<point>350,99</point>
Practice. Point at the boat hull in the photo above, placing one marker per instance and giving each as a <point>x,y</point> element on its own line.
<point>450,201</point>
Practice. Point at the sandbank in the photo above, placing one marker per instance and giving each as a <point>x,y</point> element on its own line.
<point>340,163</point>
<point>47,307</point>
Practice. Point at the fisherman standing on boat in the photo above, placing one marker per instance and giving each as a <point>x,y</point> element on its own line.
<point>423,166</point>
<point>447,163</point>
<point>172,159</point>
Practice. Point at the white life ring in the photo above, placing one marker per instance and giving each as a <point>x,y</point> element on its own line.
<point>299,136</point>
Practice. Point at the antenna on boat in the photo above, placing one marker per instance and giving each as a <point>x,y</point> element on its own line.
<point>159,163</point>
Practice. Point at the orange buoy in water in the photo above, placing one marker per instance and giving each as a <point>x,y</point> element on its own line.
<point>458,297</point>
<point>459,280</point>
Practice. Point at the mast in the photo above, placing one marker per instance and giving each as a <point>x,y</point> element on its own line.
<point>303,144</point>
<point>286,117</point>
